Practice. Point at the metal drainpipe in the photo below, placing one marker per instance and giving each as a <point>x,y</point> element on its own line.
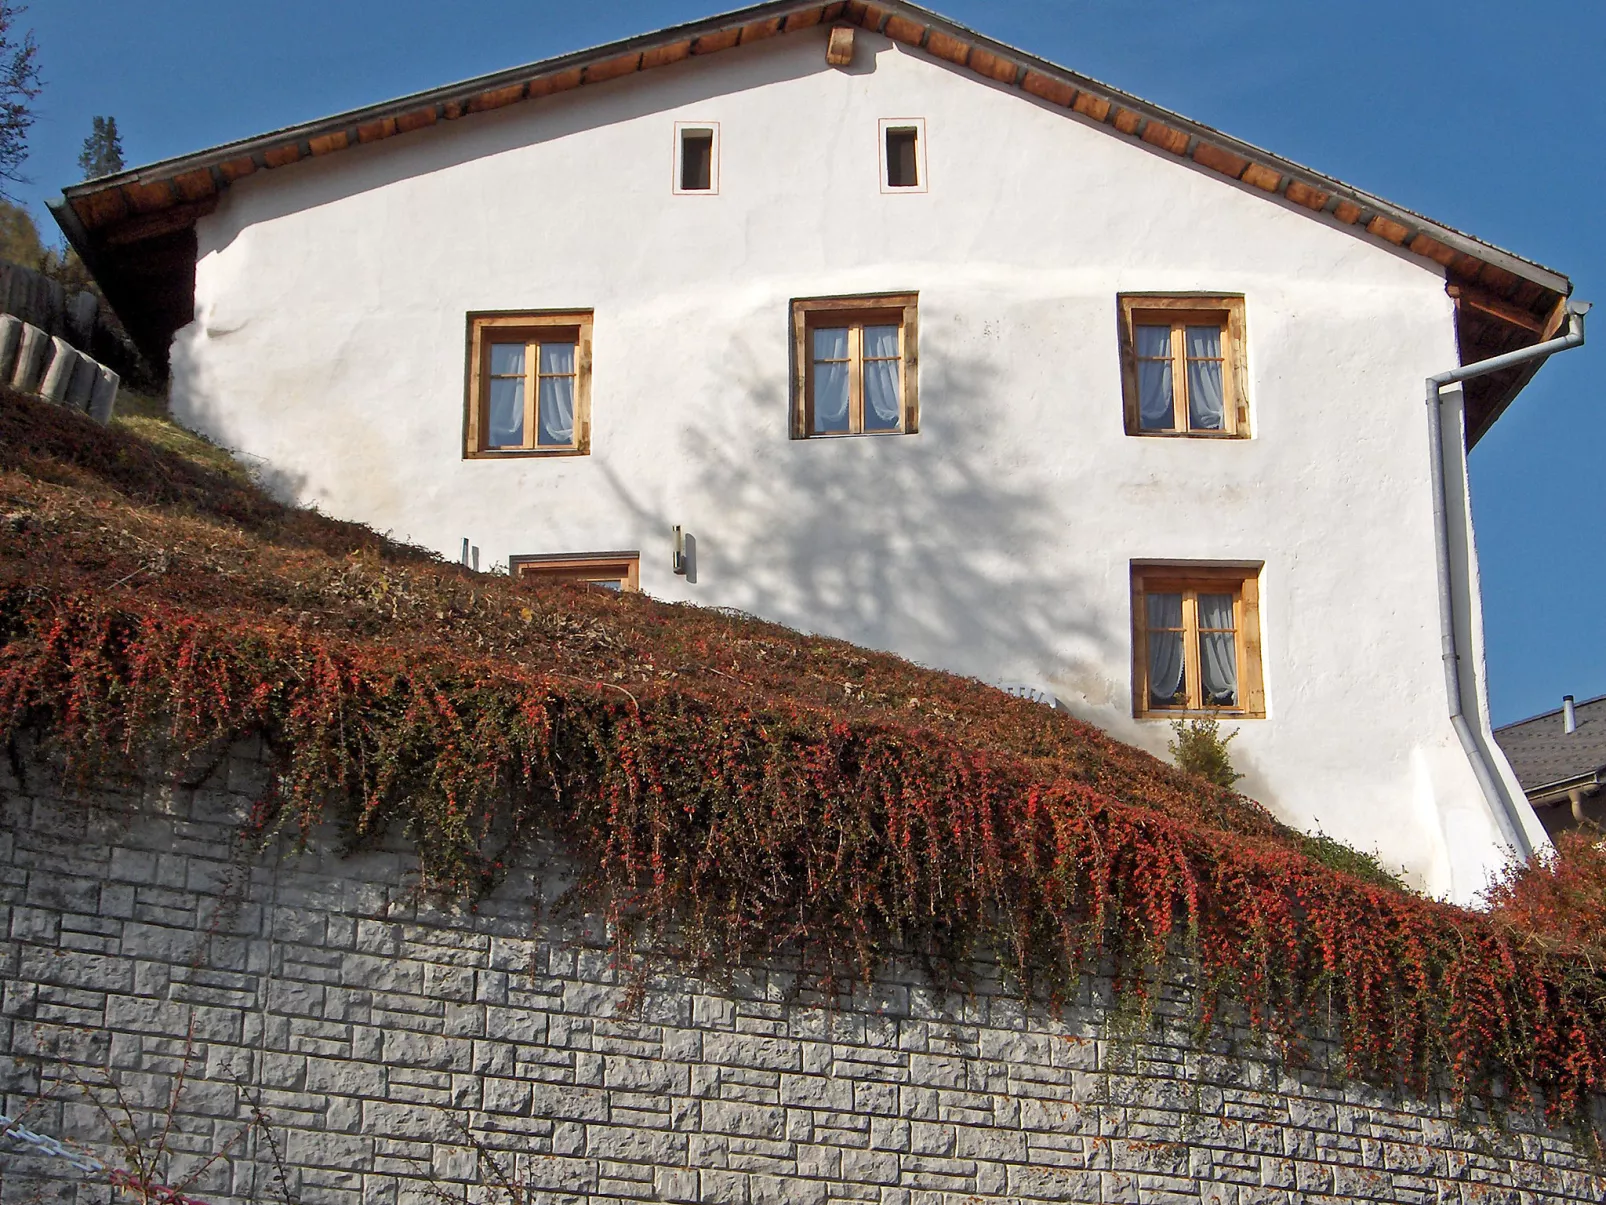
<point>1505,810</point>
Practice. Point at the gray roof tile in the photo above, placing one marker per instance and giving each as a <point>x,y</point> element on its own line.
<point>1542,753</point>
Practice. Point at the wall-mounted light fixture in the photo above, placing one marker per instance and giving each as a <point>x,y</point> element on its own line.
<point>679,561</point>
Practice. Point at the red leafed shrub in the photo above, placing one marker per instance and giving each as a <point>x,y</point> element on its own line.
<point>738,832</point>
<point>729,789</point>
<point>1559,899</point>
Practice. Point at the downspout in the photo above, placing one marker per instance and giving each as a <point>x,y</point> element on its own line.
<point>1505,809</point>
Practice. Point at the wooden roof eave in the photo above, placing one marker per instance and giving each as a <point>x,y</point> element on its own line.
<point>110,208</point>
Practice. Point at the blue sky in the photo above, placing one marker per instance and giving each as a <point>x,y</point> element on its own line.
<point>1484,114</point>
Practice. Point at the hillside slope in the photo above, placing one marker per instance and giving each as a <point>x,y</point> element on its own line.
<point>730,789</point>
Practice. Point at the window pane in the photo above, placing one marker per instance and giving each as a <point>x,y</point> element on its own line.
<point>1215,612</point>
<point>902,161</point>
<point>1165,670</point>
<point>557,359</point>
<point>1155,409</point>
<point>881,342</point>
<point>1164,614</point>
<point>1218,651</point>
<point>830,398</point>
<point>1154,342</point>
<point>507,359</point>
<point>697,160</point>
<point>556,396</point>
<point>883,404</point>
<point>831,343</point>
<point>557,411</point>
<point>1206,399</point>
<point>507,410</point>
<point>1203,342</point>
<point>830,380</point>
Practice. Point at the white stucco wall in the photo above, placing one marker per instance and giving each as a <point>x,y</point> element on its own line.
<point>329,343</point>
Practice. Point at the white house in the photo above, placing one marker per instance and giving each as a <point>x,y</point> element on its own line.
<point>919,341</point>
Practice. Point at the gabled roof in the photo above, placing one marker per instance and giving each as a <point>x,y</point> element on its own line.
<point>135,229</point>
<point>1546,757</point>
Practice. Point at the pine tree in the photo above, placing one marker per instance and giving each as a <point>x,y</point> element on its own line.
<point>103,150</point>
<point>19,86</point>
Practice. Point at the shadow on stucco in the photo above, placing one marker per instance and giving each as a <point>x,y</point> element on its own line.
<point>913,544</point>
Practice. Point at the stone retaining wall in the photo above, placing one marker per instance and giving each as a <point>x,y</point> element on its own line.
<point>367,1026</point>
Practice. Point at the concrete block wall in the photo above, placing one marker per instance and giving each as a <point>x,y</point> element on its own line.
<point>139,933</point>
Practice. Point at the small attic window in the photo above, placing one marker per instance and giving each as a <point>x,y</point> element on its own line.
<point>696,157</point>
<point>903,156</point>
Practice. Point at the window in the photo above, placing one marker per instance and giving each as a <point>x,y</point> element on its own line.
<point>529,389</point>
<point>856,366</point>
<point>1196,640</point>
<point>903,155</point>
<point>1183,365</point>
<point>696,157</point>
<point>609,570</point>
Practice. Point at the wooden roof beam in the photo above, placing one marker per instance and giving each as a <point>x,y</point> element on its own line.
<point>1488,303</point>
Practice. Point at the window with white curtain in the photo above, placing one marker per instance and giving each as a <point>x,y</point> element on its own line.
<point>529,384</point>
<point>855,366</point>
<point>1183,365</point>
<point>1196,639</point>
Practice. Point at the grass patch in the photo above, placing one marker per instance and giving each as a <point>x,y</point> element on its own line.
<point>147,417</point>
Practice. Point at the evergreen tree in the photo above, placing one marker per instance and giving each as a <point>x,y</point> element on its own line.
<point>103,150</point>
<point>19,86</point>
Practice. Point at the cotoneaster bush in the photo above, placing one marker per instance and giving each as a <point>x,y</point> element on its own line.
<point>729,791</point>
<point>1560,899</point>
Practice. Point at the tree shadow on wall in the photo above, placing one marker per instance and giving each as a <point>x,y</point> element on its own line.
<point>928,545</point>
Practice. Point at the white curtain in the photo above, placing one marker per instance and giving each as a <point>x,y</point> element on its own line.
<point>507,396</point>
<point>1218,650</point>
<point>1206,402</point>
<point>831,379</point>
<point>1165,647</point>
<point>557,394</point>
<point>882,402</point>
<point>1155,412</point>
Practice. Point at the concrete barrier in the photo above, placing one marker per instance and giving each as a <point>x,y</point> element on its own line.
<point>59,368</point>
<point>35,362</point>
<point>30,364</point>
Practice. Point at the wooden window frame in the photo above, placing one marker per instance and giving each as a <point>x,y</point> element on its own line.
<point>678,159</point>
<point>881,309</point>
<point>591,567</point>
<point>918,125</point>
<point>1178,311</point>
<point>1242,581</point>
<point>508,326</point>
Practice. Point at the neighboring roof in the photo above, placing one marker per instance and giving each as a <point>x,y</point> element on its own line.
<point>135,229</point>
<point>1546,756</point>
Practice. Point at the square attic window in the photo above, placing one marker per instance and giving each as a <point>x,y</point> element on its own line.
<point>696,157</point>
<point>903,165</point>
<point>903,155</point>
